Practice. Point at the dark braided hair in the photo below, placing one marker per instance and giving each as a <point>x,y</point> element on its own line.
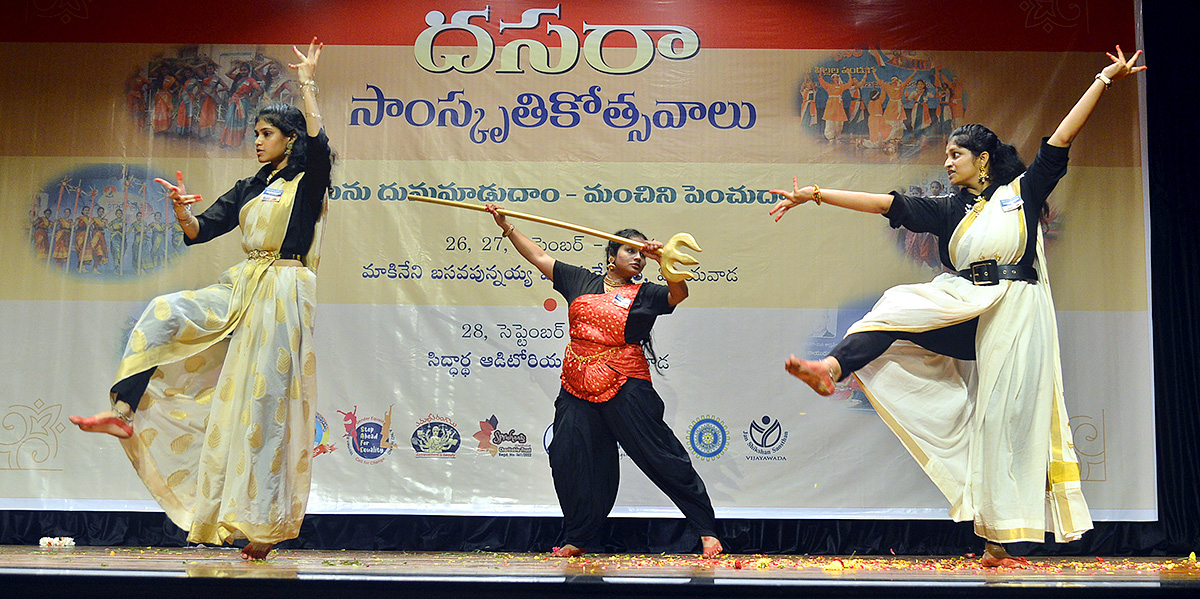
<point>290,121</point>
<point>1005,164</point>
<point>610,254</point>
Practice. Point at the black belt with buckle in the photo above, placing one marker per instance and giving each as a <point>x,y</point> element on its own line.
<point>988,272</point>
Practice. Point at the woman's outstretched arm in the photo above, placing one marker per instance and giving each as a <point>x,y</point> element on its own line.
<point>873,203</point>
<point>1075,119</point>
<point>525,246</point>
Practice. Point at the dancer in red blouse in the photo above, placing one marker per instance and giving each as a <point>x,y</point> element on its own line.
<point>606,396</point>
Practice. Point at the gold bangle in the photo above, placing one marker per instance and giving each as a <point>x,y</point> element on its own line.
<point>817,195</point>
<point>313,83</point>
<point>1102,78</point>
<point>509,231</point>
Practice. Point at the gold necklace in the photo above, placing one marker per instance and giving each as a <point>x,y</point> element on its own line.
<point>614,284</point>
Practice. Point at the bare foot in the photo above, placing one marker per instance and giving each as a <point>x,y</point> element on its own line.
<point>996,556</point>
<point>712,547</point>
<point>568,550</point>
<point>254,550</point>
<point>107,421</point>
<point>818,375</point>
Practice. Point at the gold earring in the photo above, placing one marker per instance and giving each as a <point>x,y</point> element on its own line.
<point>983,176</point>
<point>288,150</point>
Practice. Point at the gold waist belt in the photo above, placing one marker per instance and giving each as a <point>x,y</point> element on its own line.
<point>262,255</point>
<point>594,357</point>
<point>271,256</point>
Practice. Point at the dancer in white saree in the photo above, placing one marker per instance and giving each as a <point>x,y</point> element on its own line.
<point>223,379</point>
<point>965,369</point>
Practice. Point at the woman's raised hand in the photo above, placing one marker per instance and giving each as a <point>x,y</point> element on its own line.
<point>790,199</point>
<point>501,220</point>
<point>180,198</point>
<point>1121,67</point>
<point>305,69</point>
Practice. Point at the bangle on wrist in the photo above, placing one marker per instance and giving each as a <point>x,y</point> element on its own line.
<point>509,231</point>
<point>313,83</point>
<point>1105,79</point>
<point>817,195</point>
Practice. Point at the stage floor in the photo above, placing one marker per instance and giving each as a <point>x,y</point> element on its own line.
<point>123,571</point>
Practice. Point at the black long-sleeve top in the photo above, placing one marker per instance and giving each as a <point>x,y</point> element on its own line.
<point>940,215</point>
<point>222,216</point>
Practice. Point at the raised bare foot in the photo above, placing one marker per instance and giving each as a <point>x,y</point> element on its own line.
<point>108,421</point>
<point>712,547</point>
<point>254,550</point>
<point>996,556</point>
<point>817,375</point>
<point>568,550</point>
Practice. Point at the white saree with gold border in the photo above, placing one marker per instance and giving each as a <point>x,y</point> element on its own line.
<point>224,433</point>
<point>993,433</point>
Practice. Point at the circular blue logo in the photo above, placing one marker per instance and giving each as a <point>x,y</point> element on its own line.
<point>373,442</point>
<point>708,437</point>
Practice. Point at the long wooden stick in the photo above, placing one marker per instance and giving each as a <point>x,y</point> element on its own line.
<point>535,218</point>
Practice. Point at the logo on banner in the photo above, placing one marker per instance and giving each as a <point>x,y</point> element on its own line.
<point>436,437</point>
<point>1089,434</point>
<point>765,437</point>
<point>321,435</point>
<point>708,437</point>
<point>369,439</point>
<point>30,437</point>
<point>496,442</point>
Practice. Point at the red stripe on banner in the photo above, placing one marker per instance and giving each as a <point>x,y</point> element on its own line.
<point>1028,25</point>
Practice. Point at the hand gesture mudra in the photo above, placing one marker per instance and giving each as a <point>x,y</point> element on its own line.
<point>1121,67</point>
<point>181,200</point>
<point>306,67</point>
<point>791,199</point>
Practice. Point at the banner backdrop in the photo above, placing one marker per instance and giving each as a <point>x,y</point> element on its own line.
<point>439,347</point>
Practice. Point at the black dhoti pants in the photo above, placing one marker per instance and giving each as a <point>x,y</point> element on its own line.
<point>585,463</point>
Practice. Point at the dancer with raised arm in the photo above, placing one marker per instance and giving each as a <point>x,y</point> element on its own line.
<point>607,397</point>
<point>222,380</point>
<point>965,369</point>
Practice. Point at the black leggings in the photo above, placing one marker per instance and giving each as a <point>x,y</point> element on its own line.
<point>131,388</point>
<point>859,349</point>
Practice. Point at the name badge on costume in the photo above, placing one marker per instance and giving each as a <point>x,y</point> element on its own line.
<point>1010,204</point>
<point>622,301</point>
<point>271,194</point>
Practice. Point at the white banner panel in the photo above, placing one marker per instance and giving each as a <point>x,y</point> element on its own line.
<point>439,348</point>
